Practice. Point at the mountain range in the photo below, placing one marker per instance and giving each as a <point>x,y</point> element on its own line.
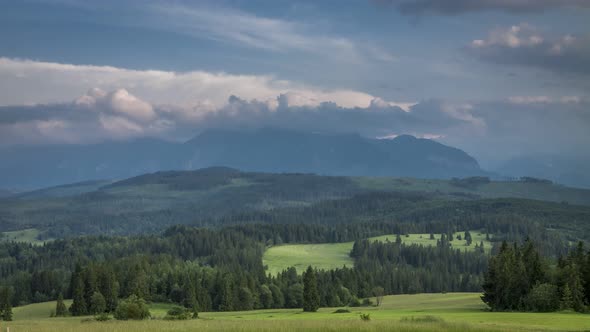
<point>262,150</point>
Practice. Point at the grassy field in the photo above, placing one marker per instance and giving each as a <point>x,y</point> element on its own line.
<point>26,235</point>
<point>422,312</point>
<point>328,256</point>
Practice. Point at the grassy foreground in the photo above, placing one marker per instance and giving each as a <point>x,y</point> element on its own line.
<point>422,312</point>
<point>328,256</point>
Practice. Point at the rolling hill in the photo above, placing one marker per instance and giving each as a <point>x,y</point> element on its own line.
<point>152,202</point>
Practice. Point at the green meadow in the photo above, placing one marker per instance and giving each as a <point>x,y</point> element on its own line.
<point>421,312</point>
<point>30,235</point>
<point>328,256</point>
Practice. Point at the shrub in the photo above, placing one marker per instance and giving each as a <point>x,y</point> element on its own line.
<point>97,303</point>
<point>342,311</point>
<point>102,317</point>
<point>180,313</point>
<point>543,298</point>
<point>365,317</point>
<point>354,302</point>
<point>422,319</point>
<point>132,308</point>
<point>367,302</point>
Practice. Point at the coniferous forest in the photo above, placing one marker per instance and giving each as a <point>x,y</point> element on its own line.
<point>529,268</point>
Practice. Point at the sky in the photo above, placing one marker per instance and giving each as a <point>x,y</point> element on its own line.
<point>497,78</point>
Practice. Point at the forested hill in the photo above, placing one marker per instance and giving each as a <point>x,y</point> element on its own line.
<point>264,150</point>
<point>214,196</point>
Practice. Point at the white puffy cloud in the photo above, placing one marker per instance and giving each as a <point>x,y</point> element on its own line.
<point>30,82</point>
<point>119,101</point>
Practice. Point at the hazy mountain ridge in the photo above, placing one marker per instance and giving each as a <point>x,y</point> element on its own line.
<point>264,150</point>
<point>569,171</point>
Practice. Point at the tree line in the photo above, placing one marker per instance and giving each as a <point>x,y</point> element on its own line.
<point>520,279</point>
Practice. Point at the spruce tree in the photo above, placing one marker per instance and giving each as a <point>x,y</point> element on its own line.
<point>5,304</point>
<point>311,296</point>
<point>566,298</point>
<point>109,288</point>
<point>189,293</point>
<point>490,285</point>
<point>467,237</point>
<point>60,307</point>
<point>78,307</point>
<point>586,278</point>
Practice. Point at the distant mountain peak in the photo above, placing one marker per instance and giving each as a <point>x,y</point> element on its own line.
<point>266,149</point>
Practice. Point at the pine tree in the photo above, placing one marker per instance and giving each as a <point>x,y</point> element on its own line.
<point>78,307</point>
<point>109,288</point>
<point>490,285</point>
<point>5,304</point>
<point>573,292</point>
<point>467,237</point>
<point>566,298</point>
<point>586,278</point>
<point>60,307</point>
<point>189,293</point>
<point>226,302</point>
<point>90,284</point>
<point>535,271</point>
<point>311,296</point>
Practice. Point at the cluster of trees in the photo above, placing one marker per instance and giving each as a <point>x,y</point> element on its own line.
<point>414,268</point>
<point>94,290</point>
<point>520,279</point>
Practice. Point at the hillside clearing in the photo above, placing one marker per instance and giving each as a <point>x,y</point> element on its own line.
<point>329,256</point>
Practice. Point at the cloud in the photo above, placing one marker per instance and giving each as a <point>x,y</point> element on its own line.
<point>122,104</point>
<point>93,117</point>
<point>31,82</point>
<point>528,100</point>
<point>488,130</point>
<point>119,101</point>
<point>455,7</point>
<point>525,45</point>
<point>271,34</point>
